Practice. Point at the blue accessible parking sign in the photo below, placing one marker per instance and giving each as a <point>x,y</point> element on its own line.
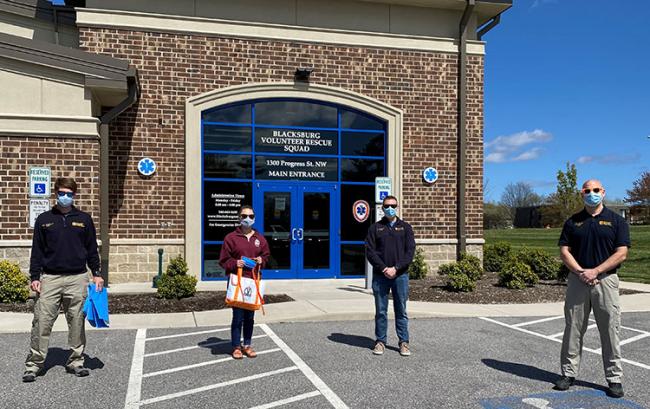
<point>560,400</point>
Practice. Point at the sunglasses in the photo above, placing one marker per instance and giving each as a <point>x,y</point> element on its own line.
<point>69,194</point>
<point>595,190</point>
<point>394,206</point>
<point>243,216</point>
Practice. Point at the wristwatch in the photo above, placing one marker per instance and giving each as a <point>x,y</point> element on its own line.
<point>97,274</point>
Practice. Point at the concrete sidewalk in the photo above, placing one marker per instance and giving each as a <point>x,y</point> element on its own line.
<point>317,300</point>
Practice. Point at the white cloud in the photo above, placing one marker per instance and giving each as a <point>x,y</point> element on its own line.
<point>538,3</point>
<point>610,159</point>
<point>507,148</point>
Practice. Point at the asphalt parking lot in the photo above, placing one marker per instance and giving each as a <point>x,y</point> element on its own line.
<point>485,363</point>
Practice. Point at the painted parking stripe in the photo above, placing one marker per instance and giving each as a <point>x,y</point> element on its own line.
<point>315,379</point>
<point>559,334</point>
<point>523,324</point>
<point>187,334</point>
<point>135,377</point>
<point>217,385</point>
<point>629,340</point>
<point>211,344</point>
<point>287,401</point>
<point>593,351</point>
<point>206,363</point>
<point>636,330</point>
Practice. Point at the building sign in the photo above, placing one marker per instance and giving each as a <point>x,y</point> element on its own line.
<point>221,203</point>
<point>383,188</point>
<point>296,141</point>
<point>361,210</point>
<point>39,182</point>
<point>296,168</point>
<point>36,207</point>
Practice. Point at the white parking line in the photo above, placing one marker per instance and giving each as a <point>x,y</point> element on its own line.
<point>188,334</point>
<point>217,385</point>
<point>559,334</point>
<point>633,339</point>
<point>135,377</point>
<point>210,344</point>
<point>317,381</point>
<point>593,351</point>
<point>523,324</point>
<point>206,363</point>
<point>288,400</point>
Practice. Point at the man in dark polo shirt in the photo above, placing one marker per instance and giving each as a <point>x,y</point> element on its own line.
<point>593,244</point>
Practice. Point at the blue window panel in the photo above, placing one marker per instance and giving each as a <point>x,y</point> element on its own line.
<point>296,168</point>
<point>352,230</point>
<point>295,113</point>
<point>240,114</point>
<point>361,170</point>
<point>362,144</point>
<point>211,268</point>
<point>353,260</point>
<point>227,138</point>
<point>221,203</point>
<point>356,120</point>
<point>296,141</point>
<point>216,165</point>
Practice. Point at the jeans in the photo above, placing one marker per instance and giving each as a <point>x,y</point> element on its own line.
<point>399,286</point>
<point>241,317</point>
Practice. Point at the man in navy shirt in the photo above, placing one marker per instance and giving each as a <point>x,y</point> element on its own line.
<point>64,243</point>
<point>390,247</point>
<point>593,244</point>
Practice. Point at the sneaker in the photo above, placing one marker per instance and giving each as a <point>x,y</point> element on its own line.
<point>236,353</point>
<point>404,349</point>
<point>29,376</point>
<point>249,352</point>
<point>564,383</point>
<point>615,390</point>
<point>379,348</point>
<point>77,371</point>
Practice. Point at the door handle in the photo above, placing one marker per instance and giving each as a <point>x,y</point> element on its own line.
<point>293,234</point>
<point>299,232</point>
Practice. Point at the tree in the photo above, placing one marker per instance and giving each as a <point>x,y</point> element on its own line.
<point>519,194</point>
<point>565,201</point>
<point>639,197</point>
<point>495,216</point>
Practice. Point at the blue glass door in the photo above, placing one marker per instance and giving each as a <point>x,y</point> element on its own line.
<point>299,223</point>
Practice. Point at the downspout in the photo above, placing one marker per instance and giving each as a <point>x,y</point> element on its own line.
<point>462,131</point>
<point>104,220</point>
<point>488,26</point>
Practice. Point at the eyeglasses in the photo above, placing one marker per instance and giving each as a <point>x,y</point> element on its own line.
<point>69,194</point>
<point>394,206</point>
<point>595,190</point>
<point>243,216</point>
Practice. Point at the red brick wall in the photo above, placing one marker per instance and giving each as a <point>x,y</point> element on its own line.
<point>66,157</point>
<point>174,67</point>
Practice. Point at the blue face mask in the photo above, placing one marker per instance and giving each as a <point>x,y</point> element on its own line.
<point>247,222</point>
<point>592,199</point>
<point>64,201</point>
<point>390,211</point>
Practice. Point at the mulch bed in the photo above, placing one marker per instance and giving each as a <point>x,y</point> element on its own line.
<point>150,303</point>
<point>488,292</point>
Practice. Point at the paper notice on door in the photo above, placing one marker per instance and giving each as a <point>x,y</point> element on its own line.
<point>280,203</point>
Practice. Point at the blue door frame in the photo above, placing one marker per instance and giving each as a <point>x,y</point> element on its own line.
<point>292,232</point>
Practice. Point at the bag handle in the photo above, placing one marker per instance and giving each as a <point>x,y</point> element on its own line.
<point>257,279</point>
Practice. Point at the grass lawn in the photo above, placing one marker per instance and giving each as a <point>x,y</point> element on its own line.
<point>636,268</point>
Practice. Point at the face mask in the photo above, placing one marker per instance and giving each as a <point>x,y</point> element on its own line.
<point>247,222</point>
<point>390,212</point>
<point>592,199</point>
<point>64,201</point>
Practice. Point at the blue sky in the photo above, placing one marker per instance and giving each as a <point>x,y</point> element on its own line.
<point>568,80</point>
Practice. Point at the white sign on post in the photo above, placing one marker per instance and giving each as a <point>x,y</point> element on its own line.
<point>39,182</point>
<point>36,207</point>
<point>383,188</point>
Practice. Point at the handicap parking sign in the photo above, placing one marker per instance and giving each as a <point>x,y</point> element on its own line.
<point>591,399</point>
<point>383,194</point>
<point>39,188</point>
<point>39,182</point>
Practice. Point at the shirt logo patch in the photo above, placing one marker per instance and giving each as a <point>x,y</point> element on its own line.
<point>605,223</point>
<point>399,228</point>
<point>46,225</point>
<point>578,224</point>
<point>257,243</point>
<point>78,224</point>
<point>380,228</point>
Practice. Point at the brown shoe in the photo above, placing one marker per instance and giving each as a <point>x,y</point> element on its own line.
<point>379,348</point>
<point>236,353</point>
<point>248,351</point>
<point>404,349</point>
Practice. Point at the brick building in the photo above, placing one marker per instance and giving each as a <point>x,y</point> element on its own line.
<point>292,106</point>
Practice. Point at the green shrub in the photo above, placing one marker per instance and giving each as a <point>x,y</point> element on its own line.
<point>496,256</point>
<point>517,275</point>
<point>563,274</point>
<point>460,282</point>
<point>449,269</point>
<point>471,265</point>
<point>14,285</point>
<point>543,264</point>
<point>177,266</point>
<point>178,286</point>
<point>418,268</point>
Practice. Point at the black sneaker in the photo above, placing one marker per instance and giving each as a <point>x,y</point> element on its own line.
<point>564,383</point>
<point>615,390</point>
<point>29,376</point>
<point>77,371</point>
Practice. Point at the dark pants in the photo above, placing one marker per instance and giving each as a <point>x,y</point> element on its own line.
<point>399,286</point>
<point>241,317</point>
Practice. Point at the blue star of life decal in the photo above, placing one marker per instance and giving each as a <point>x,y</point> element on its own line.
<point>146,166</point>
<point>430,175</point>
<point>361,210</point>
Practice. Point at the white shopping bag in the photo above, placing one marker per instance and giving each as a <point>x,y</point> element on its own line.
<point>244,292</point>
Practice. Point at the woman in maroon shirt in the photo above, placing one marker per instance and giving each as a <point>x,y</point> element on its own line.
<point>243,242</point>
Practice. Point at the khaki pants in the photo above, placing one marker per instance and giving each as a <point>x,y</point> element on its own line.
<point>604,299</point>
<point>71,291</point>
